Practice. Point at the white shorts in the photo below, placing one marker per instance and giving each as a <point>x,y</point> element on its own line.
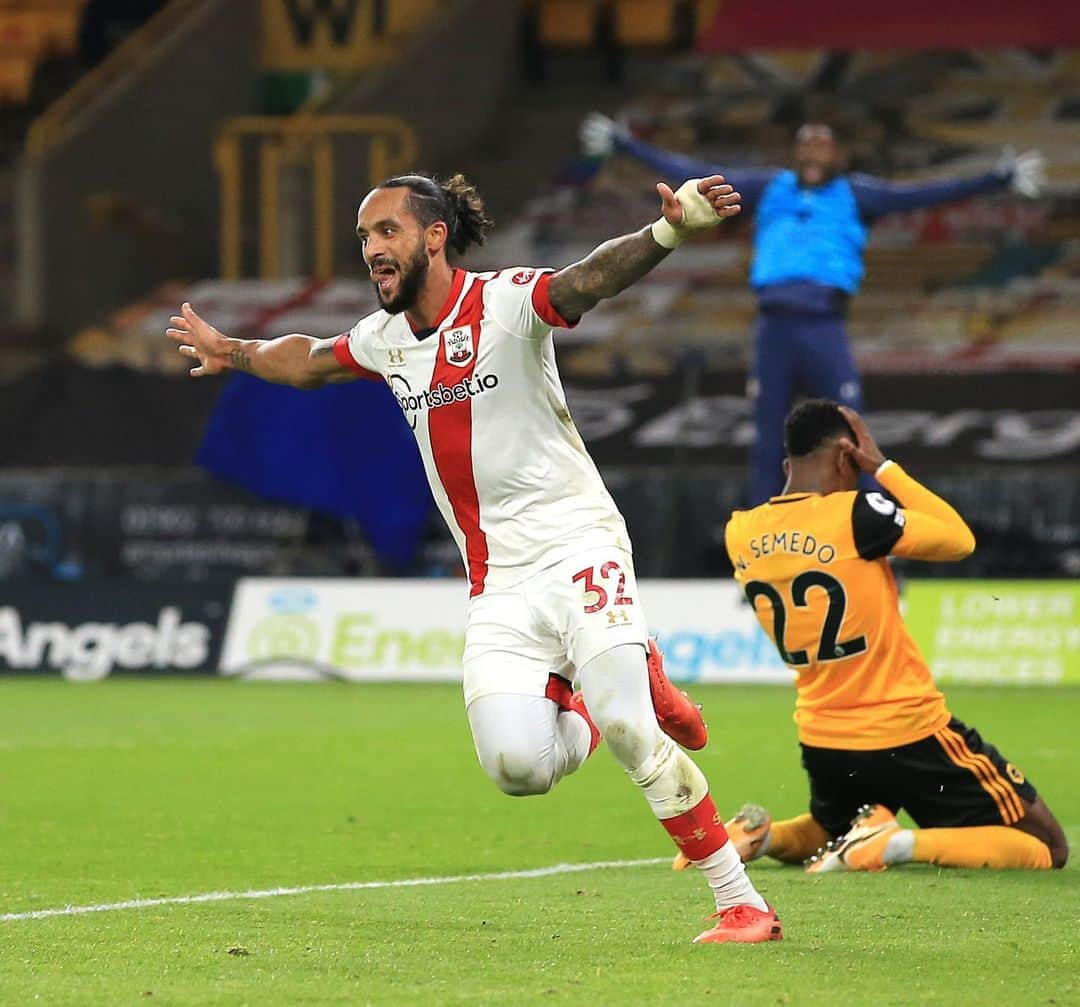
<point>557,620</point>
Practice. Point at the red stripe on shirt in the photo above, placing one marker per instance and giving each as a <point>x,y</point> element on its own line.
<point>457,281</point>
<point>450,430</point>
<point>541,302</point>
<point>344,356</point>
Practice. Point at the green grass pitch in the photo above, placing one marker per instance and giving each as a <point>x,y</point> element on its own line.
<point>147,789</point>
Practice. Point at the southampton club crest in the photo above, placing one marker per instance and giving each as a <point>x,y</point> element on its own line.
<point>459,347</point>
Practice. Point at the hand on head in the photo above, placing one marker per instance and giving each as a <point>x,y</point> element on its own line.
<point>864,453</point>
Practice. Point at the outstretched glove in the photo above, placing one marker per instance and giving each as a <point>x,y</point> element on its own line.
<point>1026,172</point>
<point>598,134</point>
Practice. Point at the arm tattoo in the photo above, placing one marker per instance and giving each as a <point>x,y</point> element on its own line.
<point>606,271</point>
<point>239,360</point>
<point>323,349</point>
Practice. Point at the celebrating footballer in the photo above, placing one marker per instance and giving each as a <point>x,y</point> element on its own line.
<point>552,596</point>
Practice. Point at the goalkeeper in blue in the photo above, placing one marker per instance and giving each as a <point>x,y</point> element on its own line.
<point>811,226</point>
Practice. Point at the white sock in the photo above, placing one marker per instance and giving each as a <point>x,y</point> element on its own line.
<point>616,687</point>
<point>727,878</point>
<point>900,848</point>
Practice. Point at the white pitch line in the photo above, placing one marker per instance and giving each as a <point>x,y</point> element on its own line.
<point>346,886</point>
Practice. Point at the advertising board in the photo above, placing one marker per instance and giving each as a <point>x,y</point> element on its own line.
<point>92,629</point>
<point>997,631</point>
<point>414,630</point>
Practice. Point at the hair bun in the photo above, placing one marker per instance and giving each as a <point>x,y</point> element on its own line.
<point>470,222</point>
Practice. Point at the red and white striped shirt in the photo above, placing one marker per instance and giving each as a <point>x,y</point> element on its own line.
<point>507,467</point>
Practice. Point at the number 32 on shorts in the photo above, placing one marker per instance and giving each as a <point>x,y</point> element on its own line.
<point>596,593</point>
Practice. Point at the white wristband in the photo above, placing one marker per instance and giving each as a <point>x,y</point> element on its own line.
<point>665,235</point>
<point>882,467</point>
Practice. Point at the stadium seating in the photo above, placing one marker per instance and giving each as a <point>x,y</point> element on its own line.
<point>986,284</point>
<point>568,23</point>
<point>645,22</point>
<point>16,75</point>
<point>576,24</point>
<point>989,283</point>
<point>30,32</point>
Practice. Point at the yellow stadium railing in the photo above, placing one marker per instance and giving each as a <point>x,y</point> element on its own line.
<point>392,147</point>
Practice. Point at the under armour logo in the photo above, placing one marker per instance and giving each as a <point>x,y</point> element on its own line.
<point>397,358</point>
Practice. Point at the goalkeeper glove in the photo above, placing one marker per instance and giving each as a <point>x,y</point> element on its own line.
<point>1026,172</point>
<point>599,133</point>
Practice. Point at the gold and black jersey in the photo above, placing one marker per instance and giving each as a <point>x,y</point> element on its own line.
<point>814,568</point>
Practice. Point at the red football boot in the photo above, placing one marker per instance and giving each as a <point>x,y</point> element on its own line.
<point>743,925</point>
<point>679,718</point>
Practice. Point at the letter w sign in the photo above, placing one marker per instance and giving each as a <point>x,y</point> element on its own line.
<point>332,34</point>
<point>337,15</point>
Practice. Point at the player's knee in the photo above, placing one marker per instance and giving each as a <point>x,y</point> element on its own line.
<point>520,773</point>
<point>1042,824</point>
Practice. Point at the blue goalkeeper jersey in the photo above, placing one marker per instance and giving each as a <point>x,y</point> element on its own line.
<point>808,233</point>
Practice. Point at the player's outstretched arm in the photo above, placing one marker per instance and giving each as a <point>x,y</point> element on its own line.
<point>1024,173</point>
<point>928,529</point>
<point>616,264</point>
<point>602,136</point>
<point>298,360</point>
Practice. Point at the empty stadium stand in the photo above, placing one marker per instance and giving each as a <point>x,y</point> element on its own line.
<point>969,315</point>
<point>990,283</point>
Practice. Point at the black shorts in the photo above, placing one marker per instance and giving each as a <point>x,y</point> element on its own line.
<point>952,778</point>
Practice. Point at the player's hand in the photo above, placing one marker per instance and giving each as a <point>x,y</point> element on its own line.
<point>865,454</point>
<point>598,134</point>
<point>699,203</point>
<point>1026,172</point>
<point>198,339</point>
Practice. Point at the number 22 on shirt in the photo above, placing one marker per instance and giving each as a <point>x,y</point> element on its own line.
<point>805,590</point>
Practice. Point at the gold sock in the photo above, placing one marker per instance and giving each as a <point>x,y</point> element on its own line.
<point>982,846</point>
<point>795,839</point>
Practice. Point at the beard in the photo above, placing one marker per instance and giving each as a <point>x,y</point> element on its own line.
<point>410,280</point>
<point>816,173</point>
